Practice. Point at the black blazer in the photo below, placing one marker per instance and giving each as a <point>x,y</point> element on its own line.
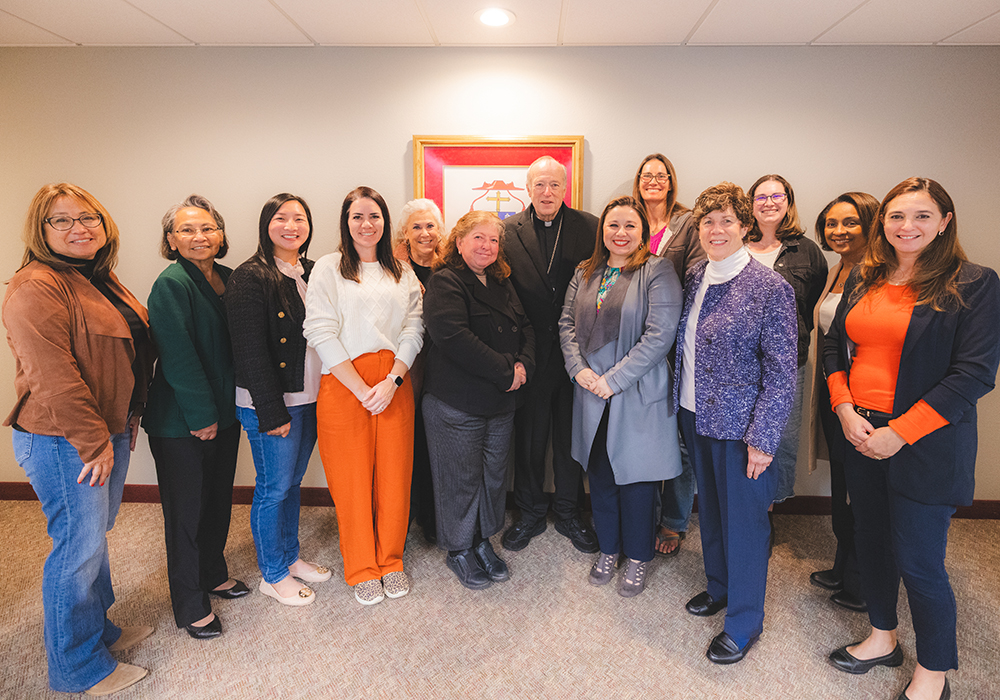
<point>543,301</point>
<point>477,334</point>
<point>269,350</point>
<point>949,360</point>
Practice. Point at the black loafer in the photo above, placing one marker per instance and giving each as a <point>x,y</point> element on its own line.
<point>238,590</point>
<point>469,571</point>
<point>845,661</point>
<point>945,692</point>
<point>723,649</point>
<point>494,566</point>
<point>829,579</point>
<point>582,537</point>
<point>209,631</point>
<point>704,605</point>
<point>520,533</point>
<point>849,601</point>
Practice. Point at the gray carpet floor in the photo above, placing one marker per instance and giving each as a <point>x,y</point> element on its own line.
<point>544,634</point>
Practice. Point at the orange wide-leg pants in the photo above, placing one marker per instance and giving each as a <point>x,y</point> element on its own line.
<point>368,462</point>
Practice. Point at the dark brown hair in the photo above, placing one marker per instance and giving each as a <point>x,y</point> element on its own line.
<point>350,261</point>
<point>935,275</point>
<point>863,203</point>
<point>673,206</point>
<point>601,255</point>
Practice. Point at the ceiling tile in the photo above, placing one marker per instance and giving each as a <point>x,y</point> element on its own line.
<point>907,22</point>
<point>985,32</point>
<point>94,22</point>
<point>368,23</point>
<point>247,22</point>
<point>631,21</point>
<point>536,22</point>
<point>17,32</point>
<point>777,22</point>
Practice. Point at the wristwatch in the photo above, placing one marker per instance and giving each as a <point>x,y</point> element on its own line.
<point>396,379</point>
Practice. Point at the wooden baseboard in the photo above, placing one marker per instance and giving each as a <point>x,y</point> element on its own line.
<point>314,496</point>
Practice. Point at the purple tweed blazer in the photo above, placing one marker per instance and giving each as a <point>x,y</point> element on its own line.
<point>746,356</point>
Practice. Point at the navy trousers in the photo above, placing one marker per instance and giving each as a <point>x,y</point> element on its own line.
<point>732,514</point>
<point>895,538</point>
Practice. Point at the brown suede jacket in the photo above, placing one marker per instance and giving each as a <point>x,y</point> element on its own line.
<point>74,356</point>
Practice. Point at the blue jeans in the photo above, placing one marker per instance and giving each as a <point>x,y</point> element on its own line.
<point>677,495</point>
<point>787,455</point>
<point>281,463</point>
<point>76,582</point>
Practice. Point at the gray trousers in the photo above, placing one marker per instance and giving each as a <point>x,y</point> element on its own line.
<point>468,464</point>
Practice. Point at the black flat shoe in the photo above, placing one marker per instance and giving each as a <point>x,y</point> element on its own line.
<point>582,536</point>
<point>704,605</point>
<point>845,661</point>
<point>238,590</point>
<point>520,533</point>
<point>849,601</point>
<point>209,631</point>
<point>723,649</point>
<point>945,692</point>
<point>494,566</point>
<point>469,571</point>
<point>829,579</point>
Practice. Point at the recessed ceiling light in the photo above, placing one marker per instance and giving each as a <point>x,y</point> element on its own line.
<point>495,17</point>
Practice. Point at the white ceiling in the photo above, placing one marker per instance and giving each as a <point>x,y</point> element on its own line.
<point>538,23</point>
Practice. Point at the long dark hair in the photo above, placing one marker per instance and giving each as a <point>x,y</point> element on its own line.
<point>673,206</point>
<point>264,257</point>
<point>863,203</point>
<point>789,226</point>
<point>935,275</point>
<point>601,254</point>
<point>350,261</point>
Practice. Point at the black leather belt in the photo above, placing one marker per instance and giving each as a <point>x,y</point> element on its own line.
<point>872,415</point>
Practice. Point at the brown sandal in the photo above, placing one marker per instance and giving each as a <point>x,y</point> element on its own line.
<point>664,536</point>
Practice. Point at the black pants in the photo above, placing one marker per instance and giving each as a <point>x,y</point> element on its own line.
<point>421,486</point>
<point>548,403</point>
<point>196,492</point>
<point>845,563</point>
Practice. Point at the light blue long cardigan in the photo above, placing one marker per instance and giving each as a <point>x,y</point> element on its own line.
<point>642,427</point>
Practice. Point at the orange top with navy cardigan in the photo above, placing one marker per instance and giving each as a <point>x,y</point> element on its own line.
<point>877,325</point>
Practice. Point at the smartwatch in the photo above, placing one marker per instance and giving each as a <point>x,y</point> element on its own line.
<point>396,379</point>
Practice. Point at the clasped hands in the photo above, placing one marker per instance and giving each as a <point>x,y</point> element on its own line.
<point>378,397</point>
<point>872,442</point>
<point>595,383</point>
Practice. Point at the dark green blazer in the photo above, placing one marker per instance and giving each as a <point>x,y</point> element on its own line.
<point>193,386</point>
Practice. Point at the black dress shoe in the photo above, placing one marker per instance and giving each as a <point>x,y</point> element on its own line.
<point>212,629</point>
<point>469,571</point>
<point>520,533</point>
<point>945,692</point>
<point>723,649</point>
<point>494,566</point>
<point>582,537</point>
<point>829,579</point>
<point>849,601</point>
<point>704,605</point>
<point>238,590</point>
<point>845,661</point>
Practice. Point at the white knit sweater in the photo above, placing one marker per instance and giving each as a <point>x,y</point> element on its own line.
<point>345,319</point>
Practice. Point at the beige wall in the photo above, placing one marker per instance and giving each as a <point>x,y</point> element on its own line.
<point>142,128</point>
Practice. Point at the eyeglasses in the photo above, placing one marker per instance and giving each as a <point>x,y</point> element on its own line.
<point>65,223</point>
<point>190,232</point>
<point>661,178</point>
<point>777,198</point>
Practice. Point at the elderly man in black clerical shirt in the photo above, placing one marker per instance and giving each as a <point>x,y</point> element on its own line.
<point>544,244</point>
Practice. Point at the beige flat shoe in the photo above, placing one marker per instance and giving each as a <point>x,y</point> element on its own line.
<point>130,637</point>
<point>319,573</point>
<point>305,595</point>
<point>122,677</point>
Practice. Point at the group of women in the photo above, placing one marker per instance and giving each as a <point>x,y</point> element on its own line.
<point>686,334</point>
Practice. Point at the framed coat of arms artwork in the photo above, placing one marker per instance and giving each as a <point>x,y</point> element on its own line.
<point>465,173</point>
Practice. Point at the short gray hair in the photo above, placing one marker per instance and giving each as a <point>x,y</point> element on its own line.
<point>198,202</point>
